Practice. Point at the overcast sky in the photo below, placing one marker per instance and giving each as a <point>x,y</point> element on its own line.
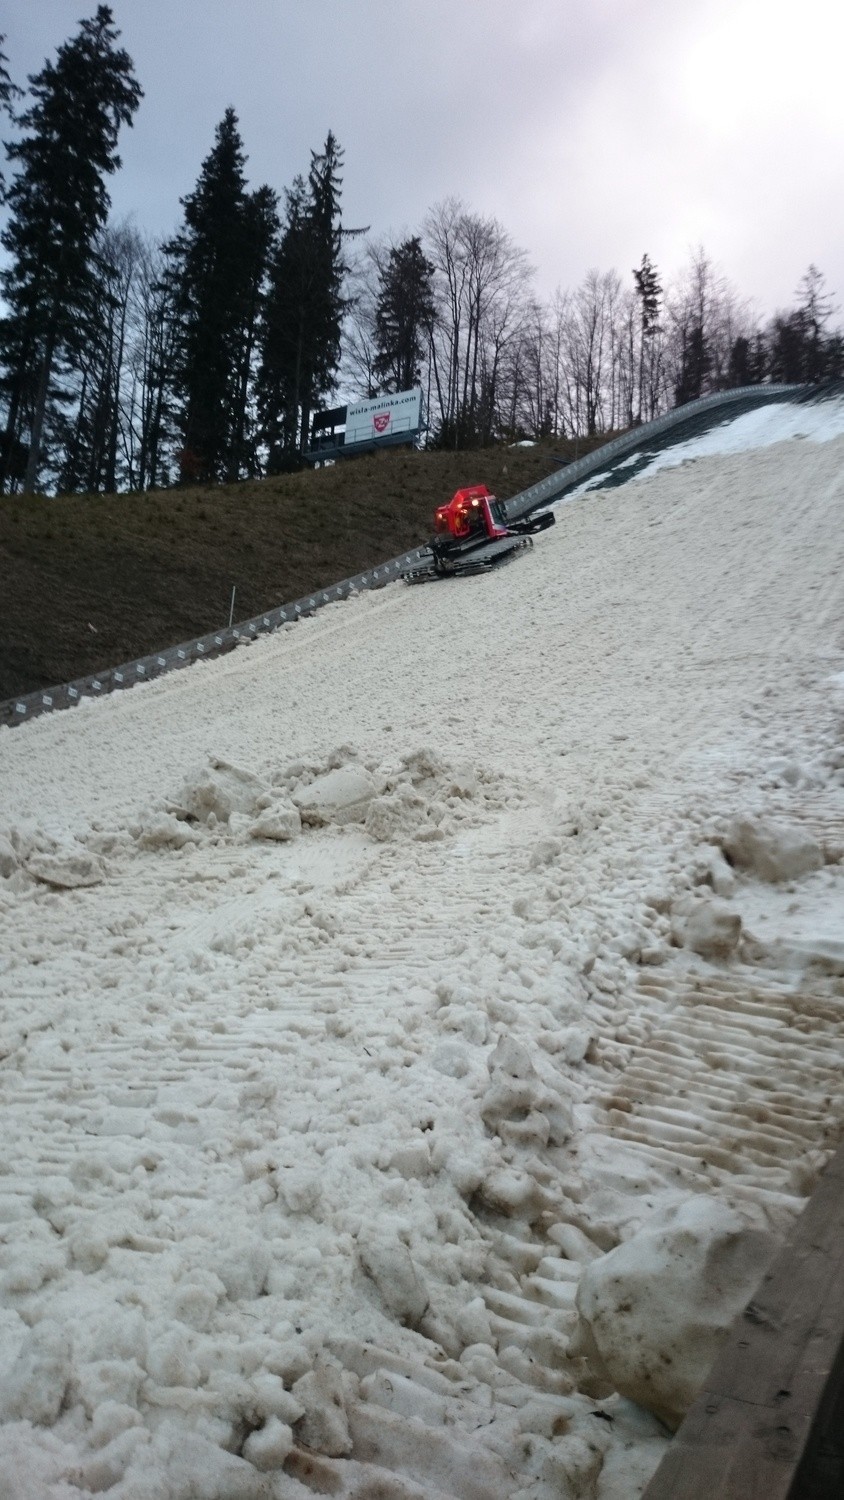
<point>594,130</point>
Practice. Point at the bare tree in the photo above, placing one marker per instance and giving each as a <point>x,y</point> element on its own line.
<point>95,436</point>
<point>149,434</point>
<point>481,288</point>
<point>705,317</point>
<point>360,346</point>
<point>589,351</point>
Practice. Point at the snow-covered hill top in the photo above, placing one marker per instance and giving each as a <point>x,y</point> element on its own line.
<point>818,421</point>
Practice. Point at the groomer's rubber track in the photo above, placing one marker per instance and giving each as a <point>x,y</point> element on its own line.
<point>482,560</point>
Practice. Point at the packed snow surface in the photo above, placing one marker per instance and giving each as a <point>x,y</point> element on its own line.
<point>379,999</point>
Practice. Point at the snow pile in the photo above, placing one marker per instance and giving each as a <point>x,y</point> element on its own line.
<point>372,999</point>
<point>654,1310</point>
<point>418,796</point>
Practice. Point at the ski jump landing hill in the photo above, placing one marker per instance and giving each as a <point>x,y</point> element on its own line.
<point>421,1033</point>
<point>613,463</point>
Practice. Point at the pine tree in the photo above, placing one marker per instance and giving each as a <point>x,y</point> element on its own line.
<point>8,92</point>
<point>218,261</point>
<point>696,362</point>
<point>304,308</point>
<point>738,367</point>
<point>649,292</point>
<point>816,308</point>
<point>800,348</point>
<point>261,231</point>
<point>788,339</point>
<point>58,202</point>
<point>403,317</point>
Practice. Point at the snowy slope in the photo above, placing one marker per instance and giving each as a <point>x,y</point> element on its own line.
<point>311,1135</point>
<point>819,420</point>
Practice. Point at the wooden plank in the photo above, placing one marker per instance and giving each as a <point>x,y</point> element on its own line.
<point>769,1424</point>
<point>727,1450</point>
<point>820,1475</point>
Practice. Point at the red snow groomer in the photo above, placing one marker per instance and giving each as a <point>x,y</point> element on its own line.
<point>473,535</point>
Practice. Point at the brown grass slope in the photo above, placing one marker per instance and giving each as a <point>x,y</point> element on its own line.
<point>88,582</point>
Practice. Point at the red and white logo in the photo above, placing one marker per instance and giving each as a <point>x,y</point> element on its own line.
<point>381,421</point>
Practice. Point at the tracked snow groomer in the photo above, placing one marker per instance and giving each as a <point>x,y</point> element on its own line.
<point>472,535</point>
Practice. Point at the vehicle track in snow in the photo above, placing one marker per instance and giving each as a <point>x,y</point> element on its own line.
<point>677,1070</point>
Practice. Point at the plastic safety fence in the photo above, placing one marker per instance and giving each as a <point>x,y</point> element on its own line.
<point>205,648</point>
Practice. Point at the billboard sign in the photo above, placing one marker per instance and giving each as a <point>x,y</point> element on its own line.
<point>386,416</point>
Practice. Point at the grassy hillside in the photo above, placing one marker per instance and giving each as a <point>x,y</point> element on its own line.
<point>92,581</point>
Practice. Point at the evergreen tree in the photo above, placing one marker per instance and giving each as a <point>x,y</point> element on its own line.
<point>788,339</point>
<point>800,348</point>
<point>304,309</point>
<point>404,315</point>
<point>58,202</point>
<point>217,265</point>
<point>747,362</point>
<point>261,231</point>
<point>695,367</point>
<point>816,308</point>
<point>834,355</point>
<point>649,292</point>
<point>8,92</point>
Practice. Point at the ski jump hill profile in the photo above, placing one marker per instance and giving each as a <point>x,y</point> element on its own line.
<point>616,462</point>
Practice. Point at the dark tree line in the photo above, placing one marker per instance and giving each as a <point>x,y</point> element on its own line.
<point>496,364</point>
<point>58,202</point>
<point>127,363</point>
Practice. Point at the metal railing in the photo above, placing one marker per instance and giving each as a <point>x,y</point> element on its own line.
<point>556,485</point>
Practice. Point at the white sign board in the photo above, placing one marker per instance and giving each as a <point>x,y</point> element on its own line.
<point>384,417</point>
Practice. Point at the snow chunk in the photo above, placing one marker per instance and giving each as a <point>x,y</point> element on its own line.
<point>67,868</point>
<point>244,1269</point>
<point>182,1463</point>
<point>158,829</point>
<point>709,927</point>
<point>402,814</point>
<point>411,1159</point>
<point>8,858</point>
<point>339,796</point>
<point>654,1311</point>
<point>452,1059</point>
<point>419,797</point>
<point>195,1300</point>
<point>772,851</point>
<point>268,1448</point>
<point>280,822</point>
<point>511,1191</point>
<point>221,789</point>
<point>324,1427</point>
<point>33,1389</point>
<point>388,1263</point>
<point>299,1189</point>
<point>518,1105</point>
